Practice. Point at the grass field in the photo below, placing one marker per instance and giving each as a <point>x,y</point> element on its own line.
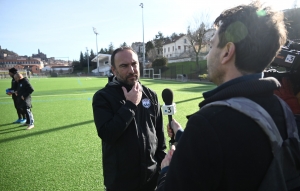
<point>63,151</point>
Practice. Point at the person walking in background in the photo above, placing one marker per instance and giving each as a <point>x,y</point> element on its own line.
<point>128,119</point>
<point>13,89</point>
<point>23,93</point>
<point>224,149</point>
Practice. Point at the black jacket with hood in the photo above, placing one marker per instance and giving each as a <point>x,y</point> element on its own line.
<point>133,142</point>
<point>24,89</point>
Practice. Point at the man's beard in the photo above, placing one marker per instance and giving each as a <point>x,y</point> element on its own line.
<point>126,81</point>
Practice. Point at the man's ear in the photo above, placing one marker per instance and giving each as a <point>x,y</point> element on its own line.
<point>113,70</point>
<point>228,52</point>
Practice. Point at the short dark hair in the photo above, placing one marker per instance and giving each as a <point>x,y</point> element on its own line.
<point>112,58</point>
<point>257,33</point>
<point>13,70</point>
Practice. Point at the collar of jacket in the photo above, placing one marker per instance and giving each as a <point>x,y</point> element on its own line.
<point>245,88</point>
<point>116,83</point>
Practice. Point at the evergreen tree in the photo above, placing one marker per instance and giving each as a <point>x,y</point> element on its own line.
<point>82,60</point>
<point>124,44</point>
<point>110,48</point>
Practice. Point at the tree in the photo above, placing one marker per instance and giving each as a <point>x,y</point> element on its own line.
<point>149,46</point>
<point>76,65</point>
<point>196,34</point>
<point>110,48</point>
<point>82,60</point>
<point>92,55</point>
<point>159,41</point>
<point>152,54</point>
<point>124,45</point>
<point>160,62</point>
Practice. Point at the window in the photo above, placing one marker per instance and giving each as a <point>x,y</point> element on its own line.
<point>185,40</point>
<point>179,47</point>
<point>173,48</point>
<point>164,49</point>
<point>168,49</point>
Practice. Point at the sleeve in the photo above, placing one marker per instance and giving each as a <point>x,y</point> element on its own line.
<point>28,89</point>
<point>197,160</point>
<point>111,125</point>
<point>178,134</point>
<point>160,152</point>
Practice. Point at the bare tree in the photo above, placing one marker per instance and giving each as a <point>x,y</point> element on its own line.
<point>197,34</point>
<point>152,54</point>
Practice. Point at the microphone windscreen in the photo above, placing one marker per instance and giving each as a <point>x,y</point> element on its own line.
<point>167,96</point>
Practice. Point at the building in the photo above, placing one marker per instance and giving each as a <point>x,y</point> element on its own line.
<point>138,47</point>
<point>10,63</point>
<point>175,48</point>
<point>40,55</point>
<point>180,48</point>
<point>33,68</point>
<point>104,64</point>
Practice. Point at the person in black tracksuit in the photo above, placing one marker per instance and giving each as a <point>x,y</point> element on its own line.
<point>14,86</point>
<point>221,148</point>
<point>23,93</point>
<point>128,119</point>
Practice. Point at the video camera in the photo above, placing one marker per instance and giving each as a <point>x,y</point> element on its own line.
<point>287,64</point>
<point>286,69</point>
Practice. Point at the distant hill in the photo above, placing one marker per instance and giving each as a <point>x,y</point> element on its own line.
<point>8,52</point>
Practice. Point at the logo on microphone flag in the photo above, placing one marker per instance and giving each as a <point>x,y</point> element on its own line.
<point>146,103</point>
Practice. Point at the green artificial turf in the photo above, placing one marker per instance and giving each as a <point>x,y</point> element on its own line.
<point>63,151</point>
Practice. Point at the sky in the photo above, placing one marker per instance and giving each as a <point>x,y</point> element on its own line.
<point>64,28</point>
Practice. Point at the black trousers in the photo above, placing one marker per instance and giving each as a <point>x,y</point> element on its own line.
<point>19,111</point>
<point>149,186</point>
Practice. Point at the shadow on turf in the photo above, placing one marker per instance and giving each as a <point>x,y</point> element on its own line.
<point>2,125</point>
<point>187,100</point>
<point>31,133</point>
<point>8,129</point>
<point>12,131</point>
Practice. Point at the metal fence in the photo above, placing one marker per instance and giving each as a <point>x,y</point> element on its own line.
<point>184,72</point>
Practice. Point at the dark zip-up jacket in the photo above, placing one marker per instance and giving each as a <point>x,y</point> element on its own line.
<point>14,87</point>
<point>222,149</point>
<point>133,142</point>
<point>24,89</point>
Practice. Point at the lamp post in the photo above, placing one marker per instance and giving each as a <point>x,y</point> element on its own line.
<point>142,5</point>
<point>88,60</point>
<point>96,33</point>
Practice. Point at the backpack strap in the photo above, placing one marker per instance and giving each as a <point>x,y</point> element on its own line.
<point>291,125</point>
<point>258,114</point>
<point>284,171</point>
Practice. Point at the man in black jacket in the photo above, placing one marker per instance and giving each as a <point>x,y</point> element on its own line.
<point>128,119</point>
<point>23,93</point>
<point>221,148</point>
<point>14,86</point>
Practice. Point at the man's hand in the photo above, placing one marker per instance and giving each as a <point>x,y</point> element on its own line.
<point>16,93</point>
<point>175,126</point>
<point>135,94</point>
<point>22,97</point>
<point>166,161</point>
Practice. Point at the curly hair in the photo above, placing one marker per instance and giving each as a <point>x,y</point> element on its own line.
<point>257,32</point>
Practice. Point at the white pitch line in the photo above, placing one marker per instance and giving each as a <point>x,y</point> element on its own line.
<point>50,95</point>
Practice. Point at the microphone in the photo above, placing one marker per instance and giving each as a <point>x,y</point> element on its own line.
<point>169,108</point>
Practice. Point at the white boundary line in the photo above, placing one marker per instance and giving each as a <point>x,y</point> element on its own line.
<point>51,95</point>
